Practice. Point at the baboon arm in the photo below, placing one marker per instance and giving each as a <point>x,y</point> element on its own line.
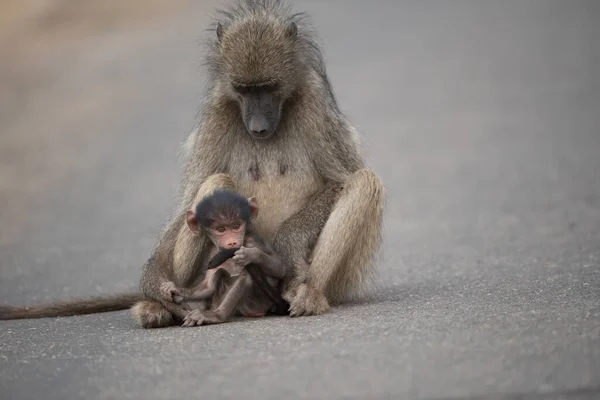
<point>199,169</point>
<point>341,141</point>
<point>296,237</point>
<point>343,255</point>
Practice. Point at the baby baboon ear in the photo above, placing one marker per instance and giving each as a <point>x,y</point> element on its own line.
<point>219,31</point>
<point>292,30</point>
<point>192,222</point>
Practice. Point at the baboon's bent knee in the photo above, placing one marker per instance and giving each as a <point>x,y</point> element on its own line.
<point>218,181</point>
<point>366,177</point>
<point>151,314</point>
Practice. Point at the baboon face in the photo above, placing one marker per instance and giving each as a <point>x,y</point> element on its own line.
<point>260,107</point>
<point>259,70</point>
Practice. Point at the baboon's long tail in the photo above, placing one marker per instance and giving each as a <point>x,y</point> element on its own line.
<point>72,307</point>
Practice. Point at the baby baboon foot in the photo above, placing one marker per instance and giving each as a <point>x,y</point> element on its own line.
<point>308,301</point>
<point>170,292</point>
<point>198,318</point>
<point>193,318</point>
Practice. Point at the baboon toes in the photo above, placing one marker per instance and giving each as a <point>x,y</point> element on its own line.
<point>308,301</point>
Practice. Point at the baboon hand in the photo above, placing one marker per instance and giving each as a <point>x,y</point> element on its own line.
<point>246,255</point>
<point>308,301</point>
<point>171,292</point>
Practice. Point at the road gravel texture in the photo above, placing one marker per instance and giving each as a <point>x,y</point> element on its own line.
<point>483,120</point>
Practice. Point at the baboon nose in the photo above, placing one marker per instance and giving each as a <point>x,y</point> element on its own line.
<point>259,125</point>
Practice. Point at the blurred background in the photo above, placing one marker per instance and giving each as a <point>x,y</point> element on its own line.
<point>482,118</point>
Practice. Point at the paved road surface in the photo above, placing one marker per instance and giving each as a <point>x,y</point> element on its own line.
<point>483,118</point>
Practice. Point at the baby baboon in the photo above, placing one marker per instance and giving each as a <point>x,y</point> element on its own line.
<point>249,281</point>
<point>271,128</point>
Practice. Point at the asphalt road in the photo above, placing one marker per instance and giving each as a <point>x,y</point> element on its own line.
<point>482,118</point>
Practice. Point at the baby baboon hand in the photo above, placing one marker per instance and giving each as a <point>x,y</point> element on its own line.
<point>308,301</point>
<point>246,255</point>
<point>171,292</point>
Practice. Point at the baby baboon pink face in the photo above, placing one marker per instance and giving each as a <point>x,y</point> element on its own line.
<point>227,235</point>
<point>224,216</point>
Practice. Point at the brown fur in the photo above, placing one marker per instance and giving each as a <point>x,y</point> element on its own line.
<point>308,175</point>
<point>314,145</point>
<point>72,307</point>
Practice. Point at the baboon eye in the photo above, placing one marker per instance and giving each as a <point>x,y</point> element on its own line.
<point>240,89</point>
<point>269,87</point>
<point>220,229</point>
<point>236,226</point>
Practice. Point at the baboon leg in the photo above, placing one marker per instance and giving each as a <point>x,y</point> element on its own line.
<point>342,260</point>
<point>151,314</point>
<point>187,249</point>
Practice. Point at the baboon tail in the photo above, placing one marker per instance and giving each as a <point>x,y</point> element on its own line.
<point>72,307</point>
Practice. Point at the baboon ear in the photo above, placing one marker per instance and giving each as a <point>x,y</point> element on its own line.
<point>219,31</point>
<point>253,207</point>
<point>292,30</point>
<point>192,222</point>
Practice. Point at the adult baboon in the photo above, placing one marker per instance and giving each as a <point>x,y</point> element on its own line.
<point>271,128</point>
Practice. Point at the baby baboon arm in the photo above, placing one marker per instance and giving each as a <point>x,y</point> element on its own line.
<point>270,264</point>
<point>171,292</point>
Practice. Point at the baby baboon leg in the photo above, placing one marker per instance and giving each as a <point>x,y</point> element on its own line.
<point>240,290</point>
<point>342,257</point>
<point>204,292</point>
<point>188,247</point>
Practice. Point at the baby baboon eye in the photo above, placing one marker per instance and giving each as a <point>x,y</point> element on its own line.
<point>220,229</point>
<point>236,226</point>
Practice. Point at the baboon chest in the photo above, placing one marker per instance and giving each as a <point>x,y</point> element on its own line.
<point>281,181</point>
